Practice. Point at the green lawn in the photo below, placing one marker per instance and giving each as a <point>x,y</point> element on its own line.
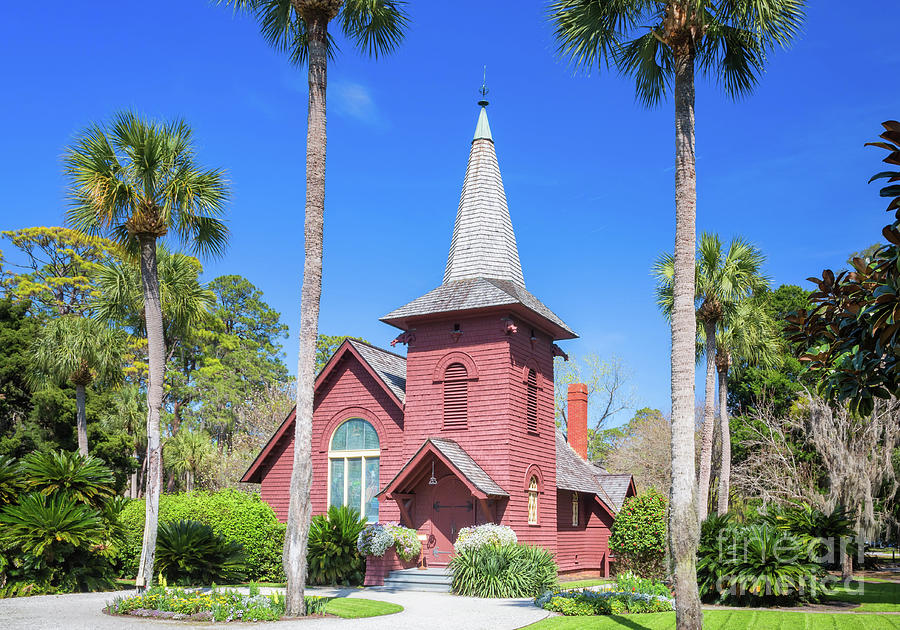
<point>354,608</point>
<point>872,596</point>
<point>727,620</point>
<point>584,583</point>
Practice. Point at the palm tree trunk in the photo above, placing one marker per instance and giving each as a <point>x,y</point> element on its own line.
<point>725,433</point>
<point>81,419</point>
<point>684,529</point>
<point>133,494</point>
<point>300,509</point>
<point>156,351</point>
<point>709,421</point>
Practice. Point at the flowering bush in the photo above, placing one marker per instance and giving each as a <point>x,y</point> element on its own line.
<point>609,602</point>
<point>377,538</point>
<point>374,540</point>
<point>638,537</point>
<point>483,535</point>
<point>214,605</point>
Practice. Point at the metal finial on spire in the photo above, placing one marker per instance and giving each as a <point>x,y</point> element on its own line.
<point>484,90</point>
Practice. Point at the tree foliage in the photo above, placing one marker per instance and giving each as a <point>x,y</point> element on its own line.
<point>849,337</point>
<point>610,391</point>
<point>644,450</point>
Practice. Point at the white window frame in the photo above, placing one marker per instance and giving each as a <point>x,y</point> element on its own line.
<point>534,490</point>
<point>575,501</point>
<point>345,456</point>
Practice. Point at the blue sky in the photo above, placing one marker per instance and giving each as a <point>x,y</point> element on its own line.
<point>588,172</point>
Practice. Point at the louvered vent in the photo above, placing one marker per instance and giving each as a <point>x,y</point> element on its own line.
<point>531,412</point>
<point>456,396</point>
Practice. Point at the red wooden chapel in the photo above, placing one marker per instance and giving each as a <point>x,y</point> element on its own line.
<point>461,431</point>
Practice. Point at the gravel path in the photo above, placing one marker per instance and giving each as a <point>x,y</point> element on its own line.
<point>422,610</point>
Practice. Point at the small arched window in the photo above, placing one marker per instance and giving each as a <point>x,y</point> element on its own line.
<point>574,509</point>
<point>531,406</point>
<point>353,462</point>
<point>533,501</point>
<point>456,396</point>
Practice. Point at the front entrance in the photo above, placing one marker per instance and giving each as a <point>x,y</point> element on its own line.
<point>453,508</point>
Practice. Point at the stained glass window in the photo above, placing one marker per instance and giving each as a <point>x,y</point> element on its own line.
<point>533,501</point>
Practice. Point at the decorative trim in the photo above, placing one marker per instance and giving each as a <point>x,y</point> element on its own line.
<point>349,413</point>
<point>533,471</point>
<point>531,364</point>
<point>455,357</point>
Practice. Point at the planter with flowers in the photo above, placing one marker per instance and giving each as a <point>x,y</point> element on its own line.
<point>387,547</point>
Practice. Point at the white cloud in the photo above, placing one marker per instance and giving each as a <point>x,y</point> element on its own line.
<point>354,100</point>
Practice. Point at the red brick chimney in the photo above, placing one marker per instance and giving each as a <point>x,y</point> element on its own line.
<point>577,418</point>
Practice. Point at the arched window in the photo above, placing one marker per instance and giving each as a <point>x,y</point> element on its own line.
<point>533,501</point>
<point>574,509</point>
<point>353,458</point>
<point>456,396</point>
<point>531,410</point>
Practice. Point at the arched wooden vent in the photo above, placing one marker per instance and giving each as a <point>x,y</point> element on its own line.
<point>456,396</point>
<point>531,412</point>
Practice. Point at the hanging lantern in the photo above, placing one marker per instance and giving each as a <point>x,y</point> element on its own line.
<point>433,480</point>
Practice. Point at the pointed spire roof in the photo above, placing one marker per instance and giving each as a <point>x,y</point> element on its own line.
<point>483,244</point>
<point>483,269</point>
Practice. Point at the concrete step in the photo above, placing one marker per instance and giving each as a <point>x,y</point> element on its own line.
<point>417,580</point>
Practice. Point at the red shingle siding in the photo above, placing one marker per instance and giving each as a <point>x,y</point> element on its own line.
<point>350,392</point>
<point>583,548</point>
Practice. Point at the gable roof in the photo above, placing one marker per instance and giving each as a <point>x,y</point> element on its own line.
<point>574,473</point>
<point>456,458</point>
<point>387,368</point>
<point>478,293</point>
<point>483,243</point>
<point>616,486</point>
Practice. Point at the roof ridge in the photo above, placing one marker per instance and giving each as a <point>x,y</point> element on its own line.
<point>374,347</point>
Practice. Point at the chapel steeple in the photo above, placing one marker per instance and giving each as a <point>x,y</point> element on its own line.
<point>483,243</point>
<point>483,270</point>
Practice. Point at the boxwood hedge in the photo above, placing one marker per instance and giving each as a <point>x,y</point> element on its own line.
<point>237,516</point>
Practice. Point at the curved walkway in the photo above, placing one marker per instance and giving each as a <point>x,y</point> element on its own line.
<point>422,610</point>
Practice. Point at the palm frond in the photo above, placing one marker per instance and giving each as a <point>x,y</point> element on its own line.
<point>377,27</point>
<point>650,63</point>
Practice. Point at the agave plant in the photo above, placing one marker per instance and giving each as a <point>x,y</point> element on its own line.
<point>190,553</point>
<point>84,478</point>
<point>332,554</point>
<point>10,480</point>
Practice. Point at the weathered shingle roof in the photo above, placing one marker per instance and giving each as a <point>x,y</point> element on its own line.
<point>466,465</point>
<point>475,293</point>
<point>390,367</point>
<point>473,474</point>
<point>616,487</point>
<point>573,473</point>
<point>483,244</point>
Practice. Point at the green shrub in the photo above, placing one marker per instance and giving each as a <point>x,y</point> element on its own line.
<point>638,537</point>
<point>84,478</point>
<point>821,532</point>
<point>239,517</point>
<point>755,565</point>
<point>190,553</point>
<point>631,583</point>
<point>50,544</point>
<point>332,555</point>
<point>503,571</point>
<point>615,602</point>
<point>10,480</point>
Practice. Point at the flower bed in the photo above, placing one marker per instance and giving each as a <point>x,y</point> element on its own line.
<point>214,605</point>
<point>630,594</point>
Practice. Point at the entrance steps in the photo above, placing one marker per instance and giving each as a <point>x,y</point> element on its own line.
<point>435,579</point>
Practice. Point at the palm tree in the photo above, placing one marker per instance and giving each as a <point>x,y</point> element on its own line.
<point>79,351</point>
<point>128,414</point>
<point>300,29</point>
<point>137,181</point>
<point>748,336</point>
<point>661,44</point>
<point>723,280</point>
<point>186,453</point>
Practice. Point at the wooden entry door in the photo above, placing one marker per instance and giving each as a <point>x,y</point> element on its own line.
<point>453,508</point>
